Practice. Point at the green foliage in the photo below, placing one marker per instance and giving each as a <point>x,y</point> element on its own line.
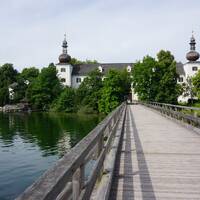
<point>7,76</point>
<point>89,92</point>
<point>116,86</point>
<point>157,80</point>
<point>44,89</point>
<point>75,61</point>
<point>144,78</point>
<point>196,83</point>
<point>29,74</point>
<point>66,101</point>
<point>168,90</point>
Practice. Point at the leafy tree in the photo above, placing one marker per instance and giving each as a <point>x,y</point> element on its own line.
<point>75,61</point>
<point>44,89</point>
<point>156,80</point>
<point>88,92</point>
<point>7,76</point>
<point>29,74</point>
<point>168,90</point>
<point>116,86</point>
<point>26,77</point>
<point>196,83</point>
<point>188,89</point>
<point>66,101</point>
<point>145,79</point>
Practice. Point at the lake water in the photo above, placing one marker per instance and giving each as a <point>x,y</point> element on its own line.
<point>31,143</point>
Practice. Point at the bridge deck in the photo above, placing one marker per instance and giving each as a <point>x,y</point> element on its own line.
<point>158,159</point>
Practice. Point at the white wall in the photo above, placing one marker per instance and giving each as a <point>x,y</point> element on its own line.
<point>188,68</point>
<point>188,73</point>
<point>67,75</point>
<point>76,84</point>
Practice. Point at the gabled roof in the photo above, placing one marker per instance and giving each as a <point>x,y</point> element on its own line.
<point>179,69</point>
<point>84,69</point>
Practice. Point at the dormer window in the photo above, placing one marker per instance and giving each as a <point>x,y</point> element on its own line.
<point>194,68</point>
<point>63,70</point>
<point>101,69</point>
<point>128,68</point>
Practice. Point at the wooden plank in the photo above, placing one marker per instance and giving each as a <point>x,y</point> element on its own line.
<point>165,159</point>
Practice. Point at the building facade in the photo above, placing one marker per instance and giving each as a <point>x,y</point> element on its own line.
<point>187,71</point>
<point>73,75</point>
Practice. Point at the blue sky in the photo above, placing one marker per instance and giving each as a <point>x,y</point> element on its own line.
<point>106,30</point>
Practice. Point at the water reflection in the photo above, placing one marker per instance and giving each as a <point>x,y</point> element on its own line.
<point>31,143</point>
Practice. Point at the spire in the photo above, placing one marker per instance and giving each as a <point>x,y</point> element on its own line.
<point>192,55</point>
<point>64,57</point>
<point>192,42</point>
<point>64,45</point>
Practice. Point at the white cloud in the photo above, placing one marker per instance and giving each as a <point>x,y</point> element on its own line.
<point>109,31</point>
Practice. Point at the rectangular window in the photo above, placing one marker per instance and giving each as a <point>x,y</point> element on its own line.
<point>78,80</point>
<point>63,80</point>
<point>180,79</point>
<point>194,68</point>
<point>63,70</point>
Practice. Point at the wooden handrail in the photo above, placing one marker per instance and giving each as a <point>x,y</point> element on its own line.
<point>66,180</point>
<point>184,113</point>
<point>175,106</point>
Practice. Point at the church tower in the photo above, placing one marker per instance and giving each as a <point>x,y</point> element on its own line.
<point>193,65</point>
<point>64,67</point>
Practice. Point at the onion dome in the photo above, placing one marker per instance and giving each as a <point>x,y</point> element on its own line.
<point>192,55</point>
<point>64,57</point>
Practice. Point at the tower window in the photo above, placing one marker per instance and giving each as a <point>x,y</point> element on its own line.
<point>180,79</point>
<point>63,80</point>
<point>63,70</point>
<point>128,69</point>
<point>194,68</point>
<point>78,80</point>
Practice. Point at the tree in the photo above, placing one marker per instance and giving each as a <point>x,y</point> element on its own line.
<point>156,80</point>
<point>44,89</point>
<point>168,90</point>
<point>23,79</point>
<point>29,74</point>
<point>116,87</point>
<point>145,79</point>
<point>7,76</point>
<point>75,61</point>
<point>88,92</point>
<point>196,84</point>
<point>66,101</point>
<point>188,89</point>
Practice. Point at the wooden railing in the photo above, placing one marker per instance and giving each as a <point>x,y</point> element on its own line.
<point>67,179</point>
<point>186,114</point>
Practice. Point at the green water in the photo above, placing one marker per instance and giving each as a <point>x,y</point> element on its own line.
<point>32,143</point>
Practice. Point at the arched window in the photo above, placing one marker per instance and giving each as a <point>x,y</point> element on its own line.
<point>128,68</point>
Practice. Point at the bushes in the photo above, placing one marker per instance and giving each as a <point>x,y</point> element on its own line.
<point>65,102</point>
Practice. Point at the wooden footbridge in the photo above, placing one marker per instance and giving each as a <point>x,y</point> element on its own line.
<point>148,152</point>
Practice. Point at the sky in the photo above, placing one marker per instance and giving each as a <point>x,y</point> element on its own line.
<point>32,31</point>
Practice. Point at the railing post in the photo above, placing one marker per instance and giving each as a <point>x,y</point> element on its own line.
<point>76,184</point>
<point>78,181</point>
<point>100,148</point>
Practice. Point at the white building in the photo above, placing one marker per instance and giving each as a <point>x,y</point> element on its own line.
<point>72,76</point>
<point>188,70</point>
